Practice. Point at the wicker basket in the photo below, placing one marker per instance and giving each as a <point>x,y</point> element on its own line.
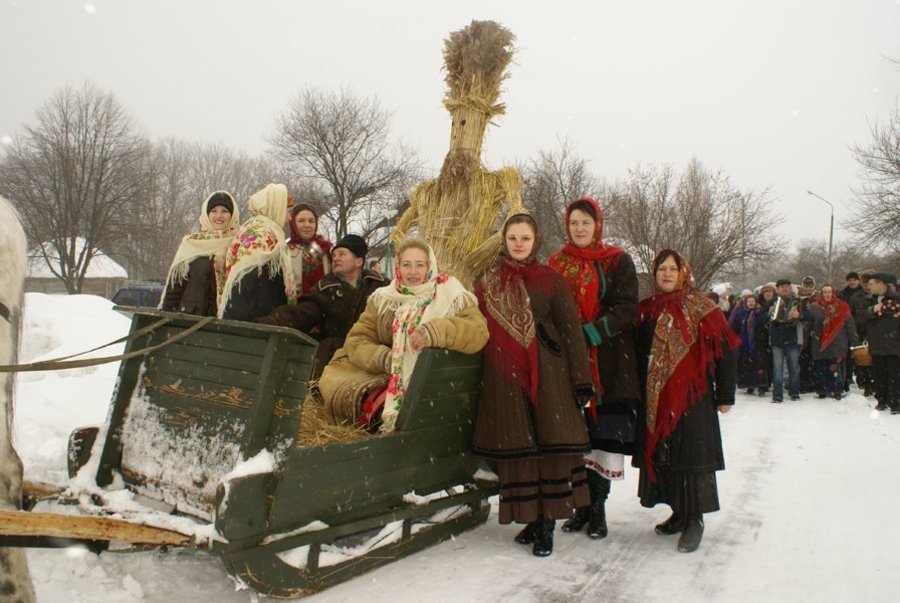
<point>861,355</point>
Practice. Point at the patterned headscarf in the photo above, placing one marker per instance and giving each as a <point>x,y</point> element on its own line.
<point>690,334</point>
<point>312,256</point>
<point>208,242</point>
<point>412,306</point>
<point>836,312</point>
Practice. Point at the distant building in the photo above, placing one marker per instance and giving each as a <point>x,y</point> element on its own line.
<point>104,276</point>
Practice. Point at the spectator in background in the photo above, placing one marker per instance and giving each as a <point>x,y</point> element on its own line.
<point>883,329</point>
<point>807,295</point>
<point>853,286</point>
<point>785,335</point>
<point>309,251</point>
<point>859,303</point>
<point>831,335</point>
<point>750,322</point>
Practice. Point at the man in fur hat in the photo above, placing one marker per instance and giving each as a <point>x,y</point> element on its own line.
<point>329,310</point>
<point>883,331</point>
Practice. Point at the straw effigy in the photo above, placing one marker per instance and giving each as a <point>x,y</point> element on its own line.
<point>459,212</point>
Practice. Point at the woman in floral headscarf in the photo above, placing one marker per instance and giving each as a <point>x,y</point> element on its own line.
<point>308,249</point>
<point>422,308</point>
<point>197,273</point>
<point>686,362</point>
<point>258,275</point>
<point>831,336</point>
<point>536,380</point>
<point>604,283</point>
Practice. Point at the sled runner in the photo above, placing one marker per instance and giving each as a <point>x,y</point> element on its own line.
<point>208,426</point>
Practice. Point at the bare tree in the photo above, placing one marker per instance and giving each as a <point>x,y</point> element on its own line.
<point>702,215</point>
<point>341,140</point>
<point>552,180</point>
<point>71,175</point>
<point>876,217</point>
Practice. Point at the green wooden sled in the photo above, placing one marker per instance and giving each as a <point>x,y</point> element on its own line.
<point>185,415</point>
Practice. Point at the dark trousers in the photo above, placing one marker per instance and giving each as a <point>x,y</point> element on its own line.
<point>886,375</point>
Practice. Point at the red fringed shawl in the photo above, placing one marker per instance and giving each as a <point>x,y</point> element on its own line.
<point>503,298</point>
<point>688,338</point>
<point>836,312</point>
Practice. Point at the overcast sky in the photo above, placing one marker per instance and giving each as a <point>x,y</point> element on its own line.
<point>772,92</point>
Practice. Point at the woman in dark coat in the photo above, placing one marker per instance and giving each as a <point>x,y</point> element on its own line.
<point>686,362</point>
<point>751,325</point>
<point>309,250</point>
<point>604,284</point>
<point>258,276</point>
<point>831,335</point>
<point>197,271</point>
<point>537,378</point>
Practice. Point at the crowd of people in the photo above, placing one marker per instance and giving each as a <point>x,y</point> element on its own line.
<point>579,372</point>
<point>822,338</point>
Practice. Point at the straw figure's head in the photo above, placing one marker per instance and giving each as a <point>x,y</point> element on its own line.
<point>475,58</point>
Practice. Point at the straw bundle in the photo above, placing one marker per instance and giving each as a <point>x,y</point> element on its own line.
<point>458,212</point>
<point>314,430</point>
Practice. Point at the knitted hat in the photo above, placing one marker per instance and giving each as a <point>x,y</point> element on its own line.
<point>850,275</point>
<point>354,243</point>
<point>220,199</point>
<point>884,277</point>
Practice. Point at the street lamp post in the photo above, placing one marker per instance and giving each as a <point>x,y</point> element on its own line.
<point>830,232</point>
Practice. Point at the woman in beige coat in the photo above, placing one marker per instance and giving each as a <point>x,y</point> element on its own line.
<point>421,308</point>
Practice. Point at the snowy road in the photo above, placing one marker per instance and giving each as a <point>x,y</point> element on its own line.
<point>806,515</point>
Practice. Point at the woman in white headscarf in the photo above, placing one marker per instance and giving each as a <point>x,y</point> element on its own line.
<point>258,275</point>
<point>421,308</point>
<point>197,273</point>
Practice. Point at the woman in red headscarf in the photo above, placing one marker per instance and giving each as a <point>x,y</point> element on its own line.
<point>536,381</point>
<point>309,250</point>
<point>686,361</point>
<point>832,334</point>
<point>604,283</point>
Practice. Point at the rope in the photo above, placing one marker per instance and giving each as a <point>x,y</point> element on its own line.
<point>63,362</point>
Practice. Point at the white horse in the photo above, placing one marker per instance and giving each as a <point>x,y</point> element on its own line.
<point>15,581</point>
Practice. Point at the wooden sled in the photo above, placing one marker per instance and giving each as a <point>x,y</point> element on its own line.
<point>185,416</point>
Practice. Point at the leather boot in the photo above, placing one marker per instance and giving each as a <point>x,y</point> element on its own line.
<point>543,537</point>
<point>599,487</point>
<point>526,535</point>
<point>577,521</point>
<point>673,525</point>
<point>692,535</point>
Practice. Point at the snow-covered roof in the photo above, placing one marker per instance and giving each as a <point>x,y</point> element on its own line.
<point>101,266</point>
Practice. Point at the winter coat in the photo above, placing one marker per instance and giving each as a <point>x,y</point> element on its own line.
<point>696,443</point>
<point>883,331</point>
<point>840,346</point>
<point>784,331</point>
<point>256,295</point>
<point>859,304</point>
<point>846,294</point>
<point>368,344</point>
<point>613,429</point>
<point>509,426</point>
<point>327,313</point>
<point>754,357</point>
<point>197,293</point>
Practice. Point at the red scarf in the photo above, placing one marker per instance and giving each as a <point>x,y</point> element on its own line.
<point>313,258</point>
<point>578,265</point>
<point>503,298</point>
<point>688,338</point>
<point>836,312</point>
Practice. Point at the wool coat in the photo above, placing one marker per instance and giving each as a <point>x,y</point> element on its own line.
<point>509,425</point>
<point>883,331</point>
<point>196,294</point>
<point>840,346</point>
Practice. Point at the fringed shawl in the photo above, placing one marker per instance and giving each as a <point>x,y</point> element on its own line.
<point>690,335</point>
<point>439,296</point>
<point>836,312</point>
<point>208,242</point>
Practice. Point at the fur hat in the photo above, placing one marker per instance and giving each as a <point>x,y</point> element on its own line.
<point>782,281</point>
<point>353,243</point>
<point>852,274</point>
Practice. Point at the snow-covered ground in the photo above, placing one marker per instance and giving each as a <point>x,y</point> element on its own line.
<point>809,504</point>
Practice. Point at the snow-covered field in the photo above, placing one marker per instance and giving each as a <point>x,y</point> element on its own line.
<point>809,509</point>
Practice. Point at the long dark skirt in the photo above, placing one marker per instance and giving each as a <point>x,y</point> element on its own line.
<point>751,372</point>
<point>689,494</point>
<point>552,485</point>
<point>829,376</point>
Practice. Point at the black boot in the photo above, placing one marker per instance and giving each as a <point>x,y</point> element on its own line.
<point>543,537</point>
<point>692,535</point>
<point>599,487</point>
<point>526,535</point>
<point>577,521</point>
<point>673,525</point>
